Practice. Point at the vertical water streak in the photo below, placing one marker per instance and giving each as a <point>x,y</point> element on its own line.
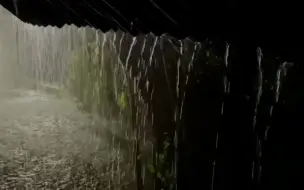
<point>134,109</point>
<point>104,40</point>
<point>259,86</point>
<point>226,87</point>
<point>283,67</point>
<point>120,44</point>
<point>226,83</point>
<point>15,2</point>
<point>139,65</point>
<point>17,44</point>
<point>164,64</point>
<point>141,60</point>
<point>134,41</point>
<point>113,41</point>
<point>178,67</point>
<point>256,165</point>
<point>152,51</point>
<point>177,119</point>
<point>190,68</point>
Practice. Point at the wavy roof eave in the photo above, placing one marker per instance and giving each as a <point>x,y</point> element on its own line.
<point>221,21</point>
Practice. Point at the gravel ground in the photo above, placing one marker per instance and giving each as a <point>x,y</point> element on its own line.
<point>46,143</point>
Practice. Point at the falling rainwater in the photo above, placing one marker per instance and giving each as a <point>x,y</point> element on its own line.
<point>51,60</point>
<point>226,85</point>
<point>137,91</point>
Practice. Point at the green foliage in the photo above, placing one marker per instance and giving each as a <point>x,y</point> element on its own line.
<point>151,168</point>
<point>161,170</point>
<point>97,82</point>
<point>122,101</point>
<point>94,79</point>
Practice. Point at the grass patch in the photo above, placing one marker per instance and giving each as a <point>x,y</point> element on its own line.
<point>49,144</point>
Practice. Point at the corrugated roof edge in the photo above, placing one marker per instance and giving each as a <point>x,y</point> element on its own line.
<point>189,38</point>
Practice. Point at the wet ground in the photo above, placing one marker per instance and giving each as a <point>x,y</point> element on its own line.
<point>46,143</point>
